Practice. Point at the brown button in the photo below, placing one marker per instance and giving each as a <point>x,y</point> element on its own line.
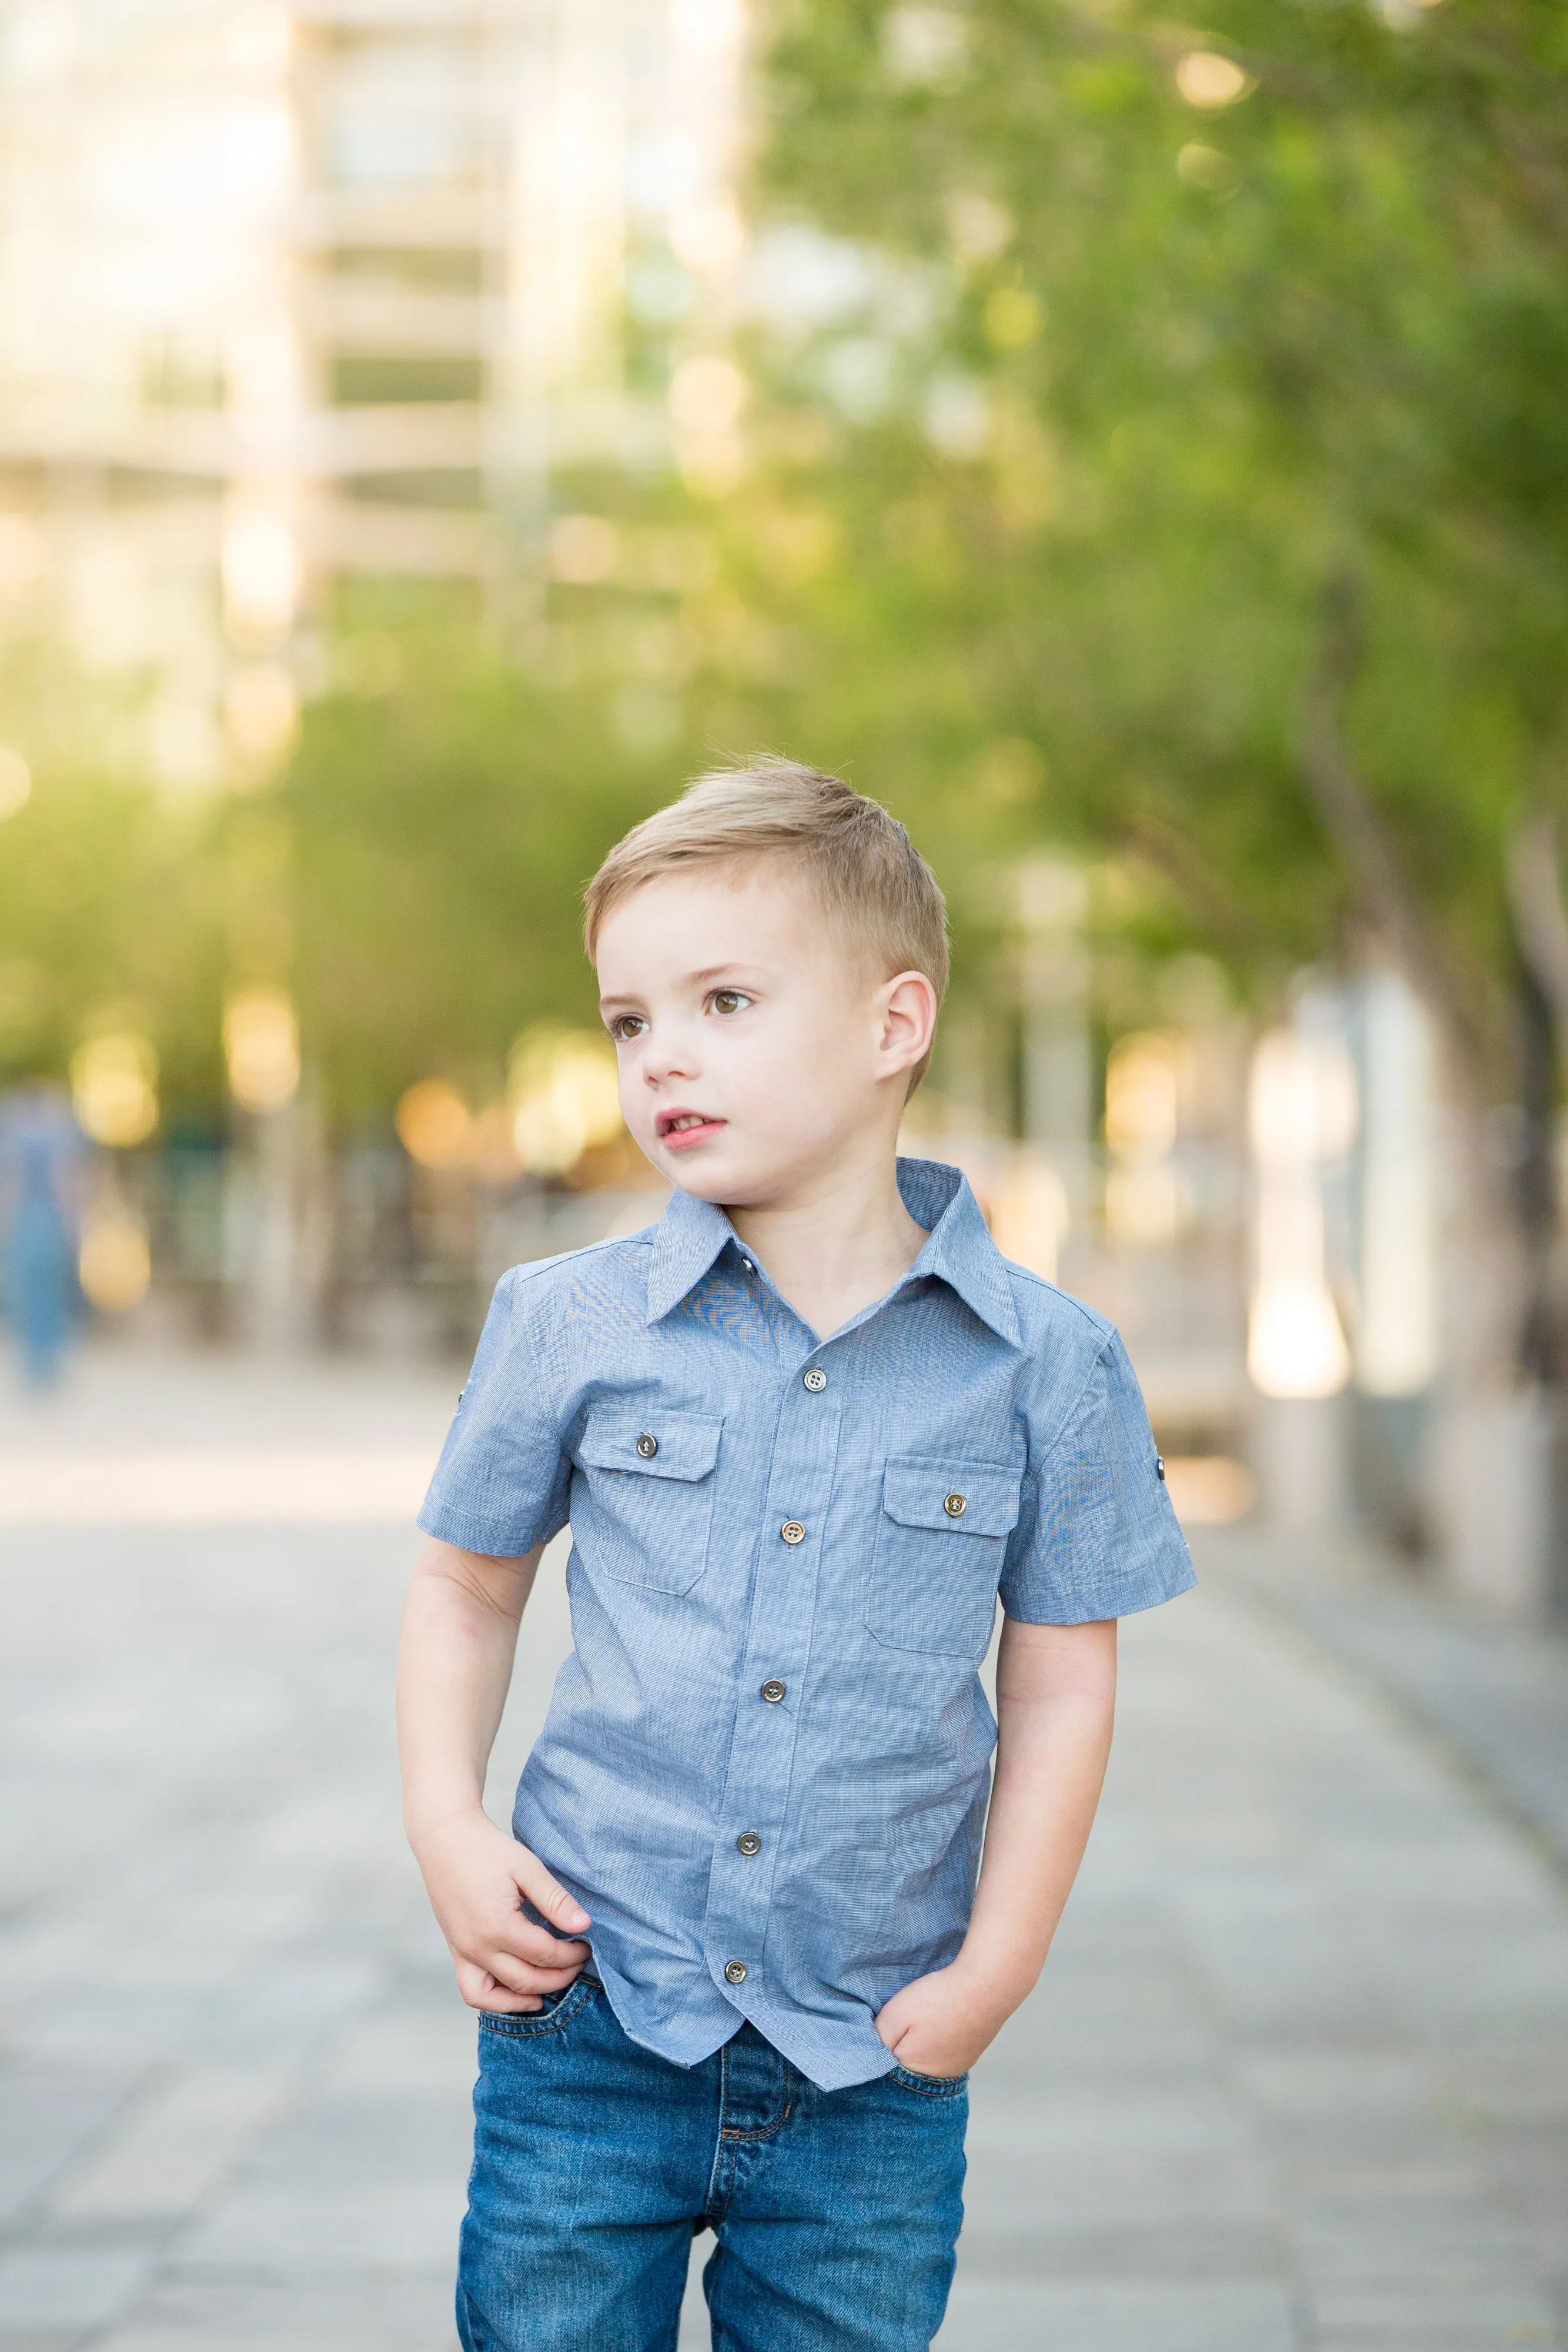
<point>736,1971</point>
<point>749,1842</point>
<point>956,1505</point>
<point>772,1692</point>
<point>792,1531</point>
<point>815,1380</point>
<point>647,1447</point>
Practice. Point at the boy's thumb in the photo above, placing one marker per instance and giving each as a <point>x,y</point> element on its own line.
<point>553,1900</point>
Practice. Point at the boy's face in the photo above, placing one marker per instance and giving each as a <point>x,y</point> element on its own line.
<point>755,1051</point>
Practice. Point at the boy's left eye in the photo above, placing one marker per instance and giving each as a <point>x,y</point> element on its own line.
<point>728,999</point>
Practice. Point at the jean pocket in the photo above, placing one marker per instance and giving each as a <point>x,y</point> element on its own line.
<point>939,1560</point>
<point>526,2024</point>
<point>645,1494</point>
<point>931,2086</point>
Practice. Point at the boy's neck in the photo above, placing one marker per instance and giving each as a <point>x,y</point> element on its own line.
<point>838,1244</point>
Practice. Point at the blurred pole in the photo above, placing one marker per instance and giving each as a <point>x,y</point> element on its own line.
<point>516,453</point>
<point>562,186</point>
<point>1540,1348</point>
<point>278,1222</point>
<point>278,1213</point>
<point>271,1301</point>
<point>1056,1109</point>
<point>1397,1341</point>
<point>1541,934</point>
<point>1302,1114</point>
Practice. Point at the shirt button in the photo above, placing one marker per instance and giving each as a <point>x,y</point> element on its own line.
<point>956,1505</point>
<point>772,1692</point>
<point>792,1531</point>
<point>1159,1465</point>
<point>647,1447</point>
<point>736,1971</point>
<point>749,1842</point>
<point>815,1380</point>
<point>745,1261</point>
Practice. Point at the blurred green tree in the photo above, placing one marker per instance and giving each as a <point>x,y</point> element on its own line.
<point>1179,408</point>
<point>109,921</point>
<point>437,828</point>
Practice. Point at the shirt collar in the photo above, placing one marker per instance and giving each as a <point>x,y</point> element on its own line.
<point>959,1250</point>
<point>686,1240</point>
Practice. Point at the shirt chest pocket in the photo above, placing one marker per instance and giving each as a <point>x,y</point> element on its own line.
<point>647,1511</point>
<point>938,1559</point>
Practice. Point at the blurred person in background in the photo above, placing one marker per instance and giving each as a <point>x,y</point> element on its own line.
<point>42,1152</point>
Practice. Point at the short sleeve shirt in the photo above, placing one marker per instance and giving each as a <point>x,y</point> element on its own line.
<point>766,1765</point>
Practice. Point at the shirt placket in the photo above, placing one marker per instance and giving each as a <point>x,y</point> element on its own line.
<point>772,1678</point>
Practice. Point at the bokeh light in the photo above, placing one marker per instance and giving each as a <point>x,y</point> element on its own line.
<point>1206,168</point>
<point>1141,1094</point>
<point>564,1098</point>
<point>114,1263</point>
<point>259,563</point>
<point>114,1088</point>
<point>1302,1103</point>
<point>1029,1212</point>
<point>1148,1200</point>
<point>434,1124</point>
<point>261,1046</point>
<point>1302,1120</point>
<point>1206,80</point>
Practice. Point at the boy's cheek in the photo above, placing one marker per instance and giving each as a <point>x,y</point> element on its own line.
<point>638,1114</point>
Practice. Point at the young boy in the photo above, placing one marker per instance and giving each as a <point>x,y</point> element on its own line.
<point>733,1963</point>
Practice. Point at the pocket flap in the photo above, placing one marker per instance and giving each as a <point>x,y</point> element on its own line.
<point>924,1494</point>
<point>685,1445</point>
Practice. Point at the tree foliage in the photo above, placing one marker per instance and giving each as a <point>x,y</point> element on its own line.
<point>434,838</point>
<point>1187,480</point>
<point>1213,451</point>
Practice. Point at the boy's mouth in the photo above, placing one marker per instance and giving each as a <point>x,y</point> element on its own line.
<point>679,1129</point>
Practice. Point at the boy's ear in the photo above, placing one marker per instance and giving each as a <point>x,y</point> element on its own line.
<point>908,1019</point>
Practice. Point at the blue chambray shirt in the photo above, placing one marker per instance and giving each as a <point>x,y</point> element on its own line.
<point>766,1765</point>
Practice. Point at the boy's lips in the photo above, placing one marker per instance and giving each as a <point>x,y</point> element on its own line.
<point>679,1129</point>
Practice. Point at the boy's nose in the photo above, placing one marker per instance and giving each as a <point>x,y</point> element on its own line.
<point>663,1067</point>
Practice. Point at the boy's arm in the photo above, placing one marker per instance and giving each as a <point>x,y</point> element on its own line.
<point>1056,1693</point>
<point>454,1666</point>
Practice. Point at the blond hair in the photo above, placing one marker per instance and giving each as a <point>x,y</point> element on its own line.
<point>867,875</point>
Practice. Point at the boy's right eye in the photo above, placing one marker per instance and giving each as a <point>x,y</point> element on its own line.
<point>625,1026</point>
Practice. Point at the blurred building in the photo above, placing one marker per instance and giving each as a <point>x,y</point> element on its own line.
<point>298,295</point>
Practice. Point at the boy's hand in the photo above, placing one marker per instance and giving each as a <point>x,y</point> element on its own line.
<point>940,2024</point>
<point>477,1876</point>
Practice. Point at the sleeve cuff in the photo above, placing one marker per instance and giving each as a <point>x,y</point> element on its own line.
<point>1095,1607</point>
<point>469,1532</point>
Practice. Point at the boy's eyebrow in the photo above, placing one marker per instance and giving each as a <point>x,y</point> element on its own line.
<point>696,979</point>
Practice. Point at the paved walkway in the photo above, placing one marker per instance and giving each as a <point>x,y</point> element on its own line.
<point>1296,2079</point>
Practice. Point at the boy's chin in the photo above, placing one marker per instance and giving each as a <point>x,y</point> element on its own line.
<point>704,1181</point>
<point>714,1173</point>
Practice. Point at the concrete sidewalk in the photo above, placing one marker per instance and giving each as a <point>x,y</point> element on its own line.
<point>1297,2075</point>
<point>1493,1689</point>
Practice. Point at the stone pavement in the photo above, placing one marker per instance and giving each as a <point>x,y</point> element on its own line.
<point>1496,1689</point>
<point>1296,2079</point>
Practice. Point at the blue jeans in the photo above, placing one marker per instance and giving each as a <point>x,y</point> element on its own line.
<point>836,2212</point>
